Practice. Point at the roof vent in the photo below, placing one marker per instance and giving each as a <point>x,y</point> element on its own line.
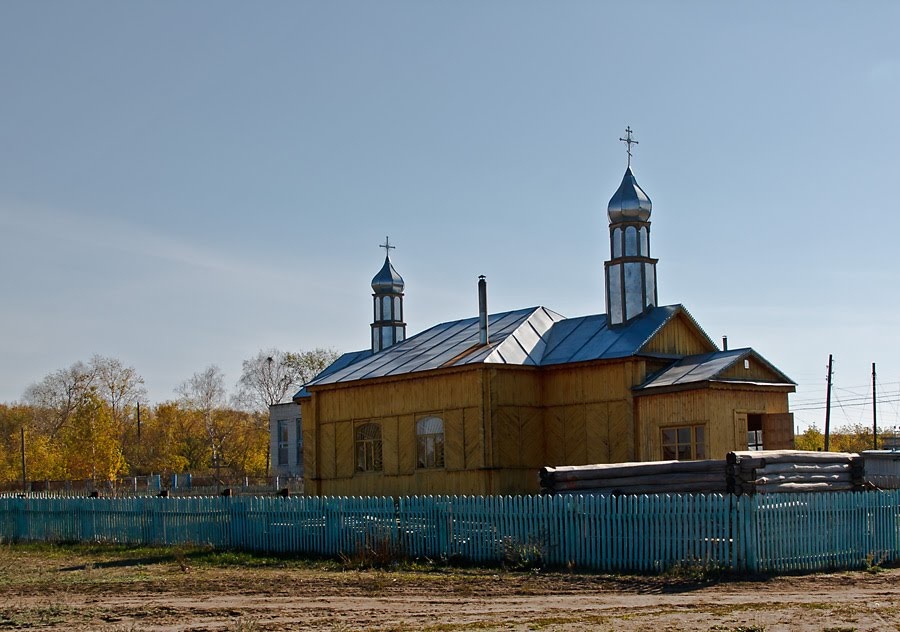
<point>483,337</point>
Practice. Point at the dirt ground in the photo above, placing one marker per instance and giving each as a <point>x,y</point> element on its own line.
<point>121,589</point>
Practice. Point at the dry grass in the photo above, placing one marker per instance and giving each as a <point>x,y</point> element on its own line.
<point>122,589</point>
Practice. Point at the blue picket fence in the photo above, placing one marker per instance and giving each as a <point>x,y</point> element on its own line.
<point>769,533</point>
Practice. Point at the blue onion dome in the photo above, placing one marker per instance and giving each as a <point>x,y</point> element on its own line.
<point>387,280</point>
<point>629,203</point>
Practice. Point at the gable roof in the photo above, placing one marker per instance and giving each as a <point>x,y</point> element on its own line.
<point>516,337</point>
<point>591,338</point>
<point>344,360</point>
<point>711,367</point>
<point>535,336</point>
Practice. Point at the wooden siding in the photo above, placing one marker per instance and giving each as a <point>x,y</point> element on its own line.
<point>679,336</point>
<point>778,431</point>
<point>756,372</point>
<point>722,410</point>
<point>332,415</point>
<point>501,424</point>
<point>588,412</point>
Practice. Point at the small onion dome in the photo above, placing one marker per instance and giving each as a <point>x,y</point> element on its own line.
<point>387,280</point>
<point>629,203</point>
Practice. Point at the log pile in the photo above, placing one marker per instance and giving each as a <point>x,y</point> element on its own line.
<point>779,471</point>
<point>653,477</point>
<point>882,469</point>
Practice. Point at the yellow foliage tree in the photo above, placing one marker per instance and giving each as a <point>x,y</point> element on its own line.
<point>848,438</point>
<point>91,442</point>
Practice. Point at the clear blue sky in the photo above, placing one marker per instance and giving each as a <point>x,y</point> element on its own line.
<point>183,184</point>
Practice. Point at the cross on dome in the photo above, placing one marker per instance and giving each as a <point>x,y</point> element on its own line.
<point>629,141</point>
<point>387,246</point>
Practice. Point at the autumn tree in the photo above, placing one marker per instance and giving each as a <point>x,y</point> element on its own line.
<point>846,438</point>
<point>812,439</point>
<point>204,394</point>
<point>12,420</point>
<point>55,398</point>
<point>120,386</point>
<point>172,440</point>
<point>272,377</point>
<point>91,442</point>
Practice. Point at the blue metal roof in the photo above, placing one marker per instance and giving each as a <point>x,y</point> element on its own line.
<point>591,338</point>
<point>343,361</point>
<point>516,337</point>
<point>535,336</point>
<point>708,367</point>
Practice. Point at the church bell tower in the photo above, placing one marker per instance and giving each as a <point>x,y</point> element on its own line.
<point>388,327</point>
<point>630,271</point>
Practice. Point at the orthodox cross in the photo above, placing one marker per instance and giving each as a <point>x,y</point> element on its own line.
<point>387,247</point>
<point>628,141</point>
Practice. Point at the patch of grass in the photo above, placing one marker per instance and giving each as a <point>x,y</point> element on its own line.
<point>246,625</point>
<point>521,556</point>
<point>699,571</point>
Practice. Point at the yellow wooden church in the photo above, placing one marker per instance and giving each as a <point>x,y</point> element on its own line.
<point>478,406</point>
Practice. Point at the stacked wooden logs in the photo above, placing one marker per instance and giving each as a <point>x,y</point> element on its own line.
<point>653,477</point>
<point>774,471</point>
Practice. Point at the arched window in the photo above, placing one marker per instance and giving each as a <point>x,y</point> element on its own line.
<point>430,442</point>
<point>617,243</point>
<point>631,238</point>
<point>368,448</point>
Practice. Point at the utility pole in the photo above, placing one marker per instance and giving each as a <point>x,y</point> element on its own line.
<point>874,413</point>
<point>828,404</point>
<point>24,481</point>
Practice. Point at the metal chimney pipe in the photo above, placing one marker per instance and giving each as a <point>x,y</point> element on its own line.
<point>482,311</point>
<point>724,343</point>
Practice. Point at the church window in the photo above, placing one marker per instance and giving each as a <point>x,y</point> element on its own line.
<point>631,241</point>
<point>368,448</point>
<point>684,443</point>
<point>386,308</point>
<point>645,242</point>
<point>617,243</point>
<point>650,284</point>
<point>387,339</point>
<point>614,283</point>
<point>634,290</point>
<point>430,442</point>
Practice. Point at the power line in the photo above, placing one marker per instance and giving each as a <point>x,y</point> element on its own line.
<point>821,405</point>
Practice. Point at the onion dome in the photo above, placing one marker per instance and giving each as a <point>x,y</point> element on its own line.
<point>629,203</point>
<point>387,281</point>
